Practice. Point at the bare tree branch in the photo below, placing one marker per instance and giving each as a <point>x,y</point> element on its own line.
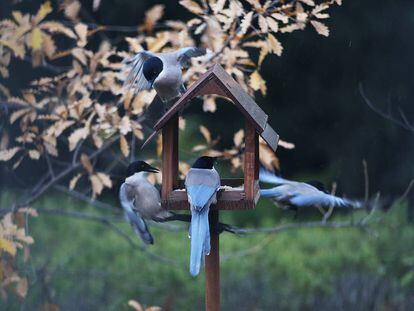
<point>402,121</point>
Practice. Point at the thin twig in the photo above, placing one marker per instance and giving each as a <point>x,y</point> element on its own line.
<point>405,124</point>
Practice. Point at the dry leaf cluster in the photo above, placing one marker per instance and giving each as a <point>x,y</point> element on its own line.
<point>13,236</point>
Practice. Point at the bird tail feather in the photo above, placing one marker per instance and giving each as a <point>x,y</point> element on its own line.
<point>200,239</point>
<point>139,226</point>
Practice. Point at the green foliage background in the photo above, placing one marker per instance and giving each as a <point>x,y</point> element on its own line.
<point>84,265</point>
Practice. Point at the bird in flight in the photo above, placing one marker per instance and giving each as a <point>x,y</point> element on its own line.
<point>161,71</point>
<point>292,194</point>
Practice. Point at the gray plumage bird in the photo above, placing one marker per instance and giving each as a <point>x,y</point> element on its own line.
<point>162,71</point>
<point>293,194</point>
<point>141,201</point>
<point>202,183</point>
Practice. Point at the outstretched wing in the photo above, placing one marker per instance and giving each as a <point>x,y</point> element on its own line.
<point>185,54</point>
<point>133,66</point>
<point>322,199</point>
<point>133,217</point>
<point>270,178</point>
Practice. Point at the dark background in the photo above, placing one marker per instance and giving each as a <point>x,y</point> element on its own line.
<point>313,98</point>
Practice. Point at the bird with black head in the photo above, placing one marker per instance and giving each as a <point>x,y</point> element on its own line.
<point>202,184</point>
<point>161,71</point>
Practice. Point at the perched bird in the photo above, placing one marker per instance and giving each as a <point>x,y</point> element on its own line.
<point>293,194</point>
<point>202,183</point>
<point>141,200</point>
<point>162,71</point>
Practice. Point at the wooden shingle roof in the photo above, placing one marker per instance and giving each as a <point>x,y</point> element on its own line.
<point>217,81</point>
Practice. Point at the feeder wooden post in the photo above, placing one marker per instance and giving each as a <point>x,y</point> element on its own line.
<point>213,266</point>
<point>169,157</point>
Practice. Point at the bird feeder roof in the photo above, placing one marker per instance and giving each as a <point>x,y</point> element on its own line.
<point>217,81</point>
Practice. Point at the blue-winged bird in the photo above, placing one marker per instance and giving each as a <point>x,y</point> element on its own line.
<point>202,183</point>
<point>293,194</point>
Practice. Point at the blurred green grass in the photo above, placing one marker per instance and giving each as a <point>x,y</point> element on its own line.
<point>84,265</point>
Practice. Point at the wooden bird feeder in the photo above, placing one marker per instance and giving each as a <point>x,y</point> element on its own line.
<point>218,82</point>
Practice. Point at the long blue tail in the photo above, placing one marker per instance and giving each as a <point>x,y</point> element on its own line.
<point>200,239</point>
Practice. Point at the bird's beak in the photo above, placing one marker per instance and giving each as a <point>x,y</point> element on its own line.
<point>152,169</point>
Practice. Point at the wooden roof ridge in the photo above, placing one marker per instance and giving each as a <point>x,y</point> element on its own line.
<point>217,81</point>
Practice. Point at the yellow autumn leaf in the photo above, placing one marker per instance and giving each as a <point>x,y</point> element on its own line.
<point>285,144</point>
<point>238,137</point>
<point>56,27</point>
<point>123,145</point>
<point>34,154</point>
<point>86,163</point>
<point>209,104</point>
<point>74,181</point>
<point>105,179</point>
<point>246,22</point>
<point>7,246</point>
<point>273,25</point>
<point>256,82</point>
<point>82,32</point>
<point>320,28</point>
<point>157,43</point>
<point>274,44</point>
<point>72,9</point>
<point>125,125</point>
<point>198,148</point>
<point>7,154</point>
<point>263,24</point>
<point>44,10</point>
<point>97,185</point>
<point>263,53</point>
<point>308,2</point>
<point>18,16</point>
<point>206,133</point>
<point>76,136</point>
<point>192,6</point>
<point>17,48</point>
<point>152,16</point>
<point>281,17</point>
<point>135,305</point>
<point>48,45</point>
<point>267,157</point>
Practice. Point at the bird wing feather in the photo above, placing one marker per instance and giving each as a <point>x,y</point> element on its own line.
<point>270,178</point>
<point>318,198</point>
<point>185,54</point>
<point>133,216</point>
<point>134,66</point>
